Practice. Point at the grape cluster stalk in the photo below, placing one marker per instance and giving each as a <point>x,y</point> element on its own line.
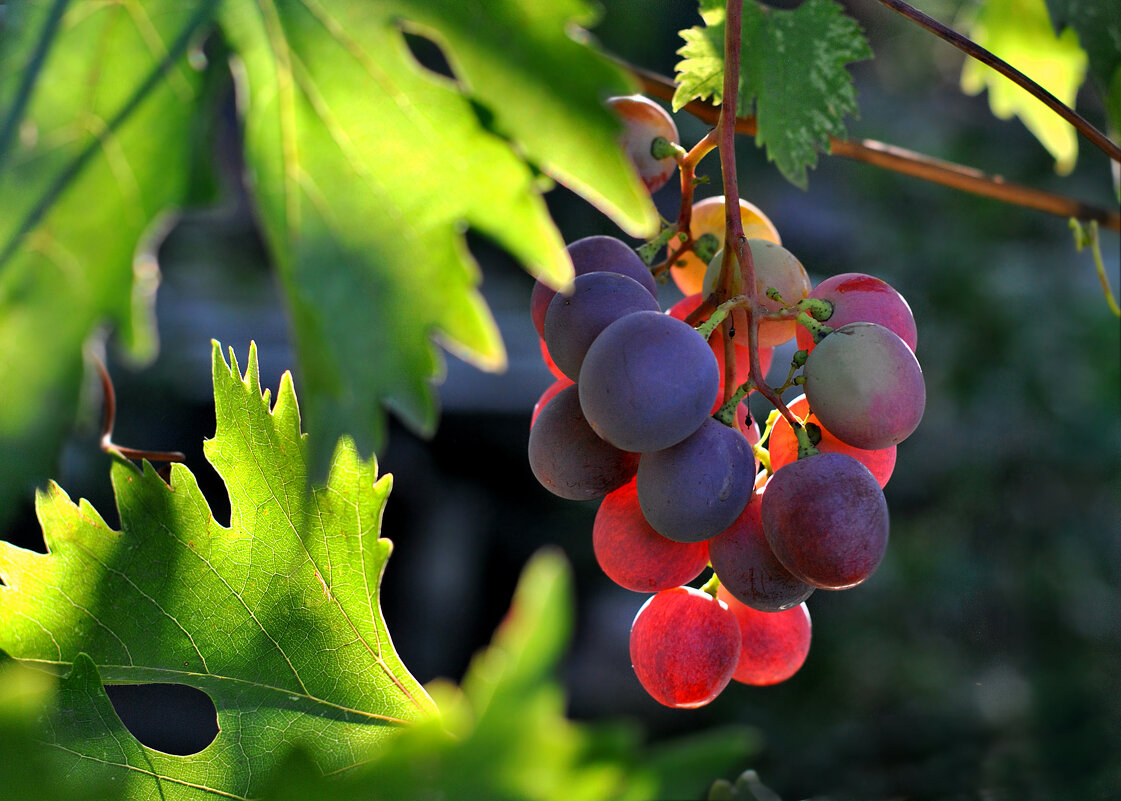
<point>648,414</point>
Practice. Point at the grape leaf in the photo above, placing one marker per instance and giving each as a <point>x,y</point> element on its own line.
<point>367,169</point>
<point>1020,32</point>
<point>275,617</point>
<point>792,71</point>
<point>95,99</point>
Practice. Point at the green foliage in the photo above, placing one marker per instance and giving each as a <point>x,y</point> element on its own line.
<point>276,617</point>
<point>792,71</point>
<point>94,107</point>
<point>366,168</point>
<point>1020,32</point>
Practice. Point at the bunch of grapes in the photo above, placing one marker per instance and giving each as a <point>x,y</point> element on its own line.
<point>649,414</point>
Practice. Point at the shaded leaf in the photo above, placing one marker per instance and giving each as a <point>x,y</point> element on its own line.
<point>276,618</point>
<point>368,169</point>
<point>792,75</point>
<point>1020,32</point>
<point>94,102</point>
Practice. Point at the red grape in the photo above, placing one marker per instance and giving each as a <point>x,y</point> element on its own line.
<point>684,647</point>
<point>857,297</point>
<point>774,645</point>
<point>643,122</point>
<point>634,555</point>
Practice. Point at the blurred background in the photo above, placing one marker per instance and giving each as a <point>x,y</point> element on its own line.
<point>982,660</point>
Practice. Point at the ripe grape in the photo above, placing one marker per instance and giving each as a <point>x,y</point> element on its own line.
<point>694,490</point>
<point>708,218</point>
<point>865,386</point>
<point>857,297</point>
<point>775,267</point>
<point>573,321</point>
<point>684,647</point>
<point>826,520</point>
<point>634,555</point>
<point>548,359</point>
<point>749,570</point>
<point>774,645</point>
<point>643,122</point>
<point>590,255</point>
<point>783,444</point>
<point>569,459</point>
<point>647,382</point>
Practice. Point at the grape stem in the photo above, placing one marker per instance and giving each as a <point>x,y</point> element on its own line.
<point>687,168</point>
<point>109,418</point>
<point>732,280</point>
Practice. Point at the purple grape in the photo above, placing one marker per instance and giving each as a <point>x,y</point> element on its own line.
<point>865,386</point>
<point>590,255</point>
<point>647,382</point>
<point>597,300</point>
<point>749,569</point>
<point>694,490</point>
<point>826,520</point>
<point>569,459</point>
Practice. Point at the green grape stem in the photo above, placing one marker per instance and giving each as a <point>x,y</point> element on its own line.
<point>818,330</point>
<point>806,447</point>
<point>818,308</point>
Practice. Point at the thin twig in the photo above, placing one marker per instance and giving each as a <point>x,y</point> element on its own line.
<point>908,162</point>
<point>974,50</point>
<point>109,416</point>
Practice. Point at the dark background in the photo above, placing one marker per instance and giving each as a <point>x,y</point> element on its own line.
<point>983,658</point>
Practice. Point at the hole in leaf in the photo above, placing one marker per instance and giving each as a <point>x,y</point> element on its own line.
<point>172,718</point>
<point>428,54</point>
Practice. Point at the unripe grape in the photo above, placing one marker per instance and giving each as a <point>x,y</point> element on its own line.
<point>783,444</point>
<point>684,647</point>
<point>826,520</point>
<point>857,297</point>
<point>775,267</point>
<point>643,122</point>
<point>774,644</point>
<point>593,254</point>
<point>688,272</point>
<point>865,386</point>
<point>634,555</point>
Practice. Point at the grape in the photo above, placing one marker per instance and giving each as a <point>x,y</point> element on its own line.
<point>549,363</point>
<point>865,386</point>
<point>574,320</point>
<point>569,459</point>
<point>783,444</point>
<point>825,518</point>
<point>635,556</point>
<point>708,218</point>
<point>776,267</point>
<point>593,254</point>
<point>548,395</point>
<point>749,570</point>
<point>684,647</point>
<point>857,297</point>
<point>774,645</point>
<point>647,382</point>
<point>694,490</point>
<point>686,306</point>
<point>643,122</point>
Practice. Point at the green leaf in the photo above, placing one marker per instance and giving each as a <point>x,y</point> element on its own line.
<point>275,617</point>
<point>94,102</point>
<point>506,737</point>
<point>1020,32</point>
<point>368,169</point>
<point>792,72</point>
